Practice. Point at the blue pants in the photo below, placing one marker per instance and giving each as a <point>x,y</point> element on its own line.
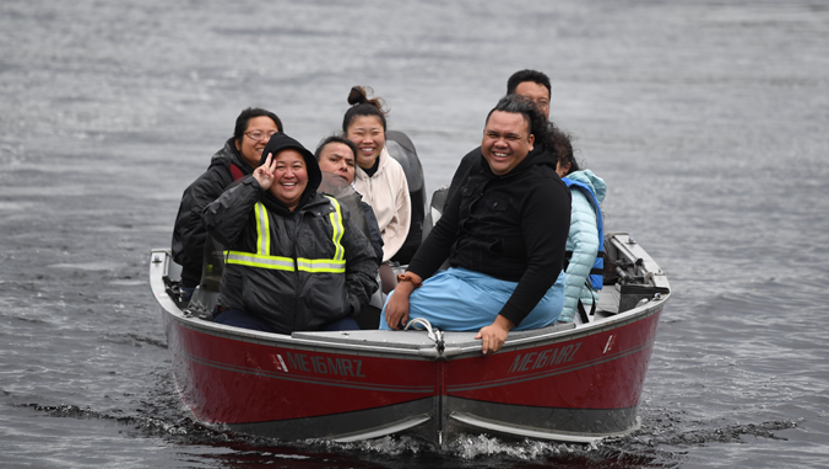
<point>242,319</point>
<point>462,300</point>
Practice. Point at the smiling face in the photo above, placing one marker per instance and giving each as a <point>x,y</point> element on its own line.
<point>537,93</point>
<point>507,141</point>
<point>337,158</point>
<point>251,149</point>
<point>368,135</point>
<point>290,178</point>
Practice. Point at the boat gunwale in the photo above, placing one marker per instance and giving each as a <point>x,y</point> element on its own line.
<point>327,343</point>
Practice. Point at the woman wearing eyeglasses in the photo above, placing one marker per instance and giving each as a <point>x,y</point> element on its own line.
<point>238,158</point>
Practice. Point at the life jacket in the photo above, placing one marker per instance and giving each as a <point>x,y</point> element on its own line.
<point>596,278</point>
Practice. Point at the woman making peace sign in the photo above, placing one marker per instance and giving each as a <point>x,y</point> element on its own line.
<point>294,259</point>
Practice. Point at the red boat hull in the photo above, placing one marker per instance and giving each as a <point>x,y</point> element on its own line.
<point>573,383</point>
<point>586,384</point>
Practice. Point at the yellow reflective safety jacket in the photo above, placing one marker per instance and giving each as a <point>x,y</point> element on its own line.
<point>295,270</point>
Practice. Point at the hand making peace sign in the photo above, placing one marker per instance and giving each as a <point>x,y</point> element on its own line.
<point>264,173</point>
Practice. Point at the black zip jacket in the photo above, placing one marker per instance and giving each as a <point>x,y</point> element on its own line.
<point>188,233</point>
<point>512,227</point>
<point>293,299</point>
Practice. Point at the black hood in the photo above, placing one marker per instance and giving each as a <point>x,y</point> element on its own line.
<point>279,142</point>
<point>539,155</point>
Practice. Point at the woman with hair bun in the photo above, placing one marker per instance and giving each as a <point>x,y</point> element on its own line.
<point>379,178</point>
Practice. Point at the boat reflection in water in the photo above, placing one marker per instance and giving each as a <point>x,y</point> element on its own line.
<point>576,382</point>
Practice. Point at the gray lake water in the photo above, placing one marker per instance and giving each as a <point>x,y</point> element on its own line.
<point>707,119</point>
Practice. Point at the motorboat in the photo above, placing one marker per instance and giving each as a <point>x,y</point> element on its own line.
<point>576,382</point>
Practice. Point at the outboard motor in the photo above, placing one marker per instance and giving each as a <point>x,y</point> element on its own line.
<point>401,148</point>
<point>435,210</point>
<point>207,292</point>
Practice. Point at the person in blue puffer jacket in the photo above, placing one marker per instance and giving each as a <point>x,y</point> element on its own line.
<point>585,242</point>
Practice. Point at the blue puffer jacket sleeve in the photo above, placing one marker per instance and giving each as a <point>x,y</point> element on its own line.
<point>583,242</point>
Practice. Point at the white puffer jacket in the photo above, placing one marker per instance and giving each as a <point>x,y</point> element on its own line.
<point>387,192</point>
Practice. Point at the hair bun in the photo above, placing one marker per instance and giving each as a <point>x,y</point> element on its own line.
<point>357,95</point>
<point>362,106</point>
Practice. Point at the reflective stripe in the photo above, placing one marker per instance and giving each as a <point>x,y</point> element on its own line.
<point>320,265</point>
<point>337,229</point>
<point>279,263</point>
<point>263,259</point>
<point>263,230</point>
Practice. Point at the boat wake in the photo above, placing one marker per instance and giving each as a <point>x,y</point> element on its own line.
<point>492,452</point>
<point>160,415</point>
<point>637,450</point>
<point>663,440</point>
<point>146,425</point>
<point>673,432</point>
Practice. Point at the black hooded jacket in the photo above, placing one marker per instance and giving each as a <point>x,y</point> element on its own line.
<point>299,291</point>
<point>188,233</point>
<point>512,227</point>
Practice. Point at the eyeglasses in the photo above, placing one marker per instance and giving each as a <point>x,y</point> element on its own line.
<point>259,135</point>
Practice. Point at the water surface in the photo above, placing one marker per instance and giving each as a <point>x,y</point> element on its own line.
<point>707,120</point>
